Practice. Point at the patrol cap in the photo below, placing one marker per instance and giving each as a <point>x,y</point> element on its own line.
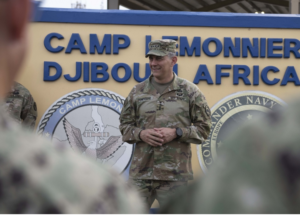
<point>161,47</point>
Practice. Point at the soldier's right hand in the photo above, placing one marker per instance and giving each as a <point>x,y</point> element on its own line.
<point>151,137</point>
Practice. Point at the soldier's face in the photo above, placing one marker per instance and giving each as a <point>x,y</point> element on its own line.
<point>161,66</point>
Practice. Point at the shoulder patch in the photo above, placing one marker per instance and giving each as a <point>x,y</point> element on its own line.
<point>207,111</point>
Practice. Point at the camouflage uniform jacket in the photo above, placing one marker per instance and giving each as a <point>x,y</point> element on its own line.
<point>21,106</point>
<point>36,177</point>
<point>180,105</point>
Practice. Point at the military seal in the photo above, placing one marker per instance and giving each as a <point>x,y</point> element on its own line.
<point>231,113</point>
<point>87,121</point>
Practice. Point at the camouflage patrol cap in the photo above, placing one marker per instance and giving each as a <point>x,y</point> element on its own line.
<point>161,47</point>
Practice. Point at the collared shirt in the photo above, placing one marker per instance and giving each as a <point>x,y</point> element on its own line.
<point>160,87</point>
<point>181,105</point>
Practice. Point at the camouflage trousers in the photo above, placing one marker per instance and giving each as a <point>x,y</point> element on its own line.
<point>150,190</point>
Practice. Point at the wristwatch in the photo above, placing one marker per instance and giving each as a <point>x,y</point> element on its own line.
<point>178,133</point>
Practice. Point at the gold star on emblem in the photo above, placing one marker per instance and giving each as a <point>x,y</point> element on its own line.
<point>249,116</point>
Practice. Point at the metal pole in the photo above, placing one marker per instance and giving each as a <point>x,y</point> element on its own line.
<point>113,4</point>
<point>294,6</point>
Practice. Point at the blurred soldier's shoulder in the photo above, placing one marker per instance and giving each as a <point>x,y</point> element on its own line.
<point>36,177</point>
<point>20,88</point>
<point>259,164</point>
<point>18,91</point>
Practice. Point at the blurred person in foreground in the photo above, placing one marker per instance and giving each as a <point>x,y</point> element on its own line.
<point>163,115</point>
<point>34,176</point>
<point>21,106</point>
<point>257,171</point>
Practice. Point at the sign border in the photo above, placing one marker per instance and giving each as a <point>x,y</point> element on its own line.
<point>167,18</point>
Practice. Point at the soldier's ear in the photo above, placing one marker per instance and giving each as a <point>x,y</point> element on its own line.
<point>174,60</point>
<point>18,15</point>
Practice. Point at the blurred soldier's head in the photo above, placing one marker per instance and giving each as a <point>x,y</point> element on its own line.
<point>14,15</point>
<point>162,57</point>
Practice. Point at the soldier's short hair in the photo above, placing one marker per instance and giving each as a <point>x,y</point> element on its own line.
<point>171,54</point>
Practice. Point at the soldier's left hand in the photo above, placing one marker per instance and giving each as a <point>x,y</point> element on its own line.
<point>169,134</point>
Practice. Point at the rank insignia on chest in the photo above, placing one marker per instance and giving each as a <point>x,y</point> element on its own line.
<point>160,106</point>
<point>179,94</point>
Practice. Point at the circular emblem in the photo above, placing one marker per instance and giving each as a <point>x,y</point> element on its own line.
<point>231,113</point>
<point>87,121</point>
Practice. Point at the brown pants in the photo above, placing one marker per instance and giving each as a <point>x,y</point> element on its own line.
<point>150,190</point>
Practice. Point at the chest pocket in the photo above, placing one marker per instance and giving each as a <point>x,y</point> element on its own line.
<point>176,105</point>
<point>146,106</point>
<point>177,111</point>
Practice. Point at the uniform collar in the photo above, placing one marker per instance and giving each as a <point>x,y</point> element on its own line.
<point>149,88</point>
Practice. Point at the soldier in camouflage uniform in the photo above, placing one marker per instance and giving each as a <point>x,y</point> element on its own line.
<point>35,177</point>
<point>163,115</point>
<point>21,106</point>
<point>257,171</point>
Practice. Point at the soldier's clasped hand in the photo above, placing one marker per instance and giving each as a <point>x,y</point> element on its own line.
<point>168,134</point>
<point>152,137</point>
